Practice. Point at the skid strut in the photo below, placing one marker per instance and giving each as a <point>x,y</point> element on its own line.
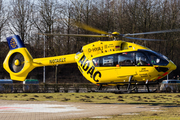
<point>118,87</point>
<point>129,85</point>
<point>147,85</point>
<point>100,87</point>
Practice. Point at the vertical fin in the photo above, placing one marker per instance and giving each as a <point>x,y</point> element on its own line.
<point>15,42</point>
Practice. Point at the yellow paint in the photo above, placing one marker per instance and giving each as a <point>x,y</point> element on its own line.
<point>110,75</point>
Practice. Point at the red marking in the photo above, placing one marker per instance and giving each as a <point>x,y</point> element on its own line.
<point>165,73</point>
<point>13,108</point>
<point>117,46</point>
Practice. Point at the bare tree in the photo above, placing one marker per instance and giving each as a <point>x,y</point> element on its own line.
<point>21,14</point>
<point>45,20</point>
<point>3,47</point>
<point>4,15</point>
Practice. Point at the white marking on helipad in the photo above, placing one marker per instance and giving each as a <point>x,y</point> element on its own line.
<point>101,117</point>
<point>130,114</point>
<point>49,108</point>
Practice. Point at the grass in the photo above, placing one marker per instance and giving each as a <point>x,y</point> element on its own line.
<point>141,98</point>
<point>162,99</point>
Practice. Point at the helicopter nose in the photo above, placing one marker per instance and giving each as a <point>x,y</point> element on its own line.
<point>172,66</point>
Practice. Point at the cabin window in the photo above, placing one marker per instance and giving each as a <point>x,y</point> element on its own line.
<point>106,61</point>
<point>141,59</point>
<point>126,59</point>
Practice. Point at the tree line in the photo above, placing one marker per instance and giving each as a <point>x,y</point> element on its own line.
<point>29,18</point>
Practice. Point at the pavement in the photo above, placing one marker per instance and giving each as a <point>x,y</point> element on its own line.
<point>52,110</point>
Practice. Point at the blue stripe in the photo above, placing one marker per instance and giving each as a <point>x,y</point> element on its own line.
<point>15,42</point>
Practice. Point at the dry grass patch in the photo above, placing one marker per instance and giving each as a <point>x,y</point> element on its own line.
<point>145,98</point>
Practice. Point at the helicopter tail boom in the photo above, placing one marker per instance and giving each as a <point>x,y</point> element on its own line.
<point>19,62</point>
<point>50,61</point>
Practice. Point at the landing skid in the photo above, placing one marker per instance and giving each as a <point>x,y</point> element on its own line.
<point>132,87</point>
<point>134,90</point>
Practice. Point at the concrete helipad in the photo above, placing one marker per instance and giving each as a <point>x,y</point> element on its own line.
<point>52,110</point>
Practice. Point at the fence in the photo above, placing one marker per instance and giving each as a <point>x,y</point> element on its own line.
<point>76,87</point>
<point>47,88</point>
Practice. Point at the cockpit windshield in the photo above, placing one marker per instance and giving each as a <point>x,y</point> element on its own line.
<point>156,58</point>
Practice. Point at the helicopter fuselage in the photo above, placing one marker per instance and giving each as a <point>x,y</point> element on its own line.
<point>115,66</point>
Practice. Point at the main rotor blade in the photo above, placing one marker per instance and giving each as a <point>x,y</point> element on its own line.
<point>144,39</point>
<point>154,32</point>
<point>73,35</point>
<point>89,28</point>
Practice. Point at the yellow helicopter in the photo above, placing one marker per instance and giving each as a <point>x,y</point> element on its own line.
<point>114,62</point>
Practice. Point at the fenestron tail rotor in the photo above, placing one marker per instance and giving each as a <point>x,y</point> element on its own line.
<point>16,62</point>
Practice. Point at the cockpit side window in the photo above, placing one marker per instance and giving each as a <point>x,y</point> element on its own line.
<point>141,59</point>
